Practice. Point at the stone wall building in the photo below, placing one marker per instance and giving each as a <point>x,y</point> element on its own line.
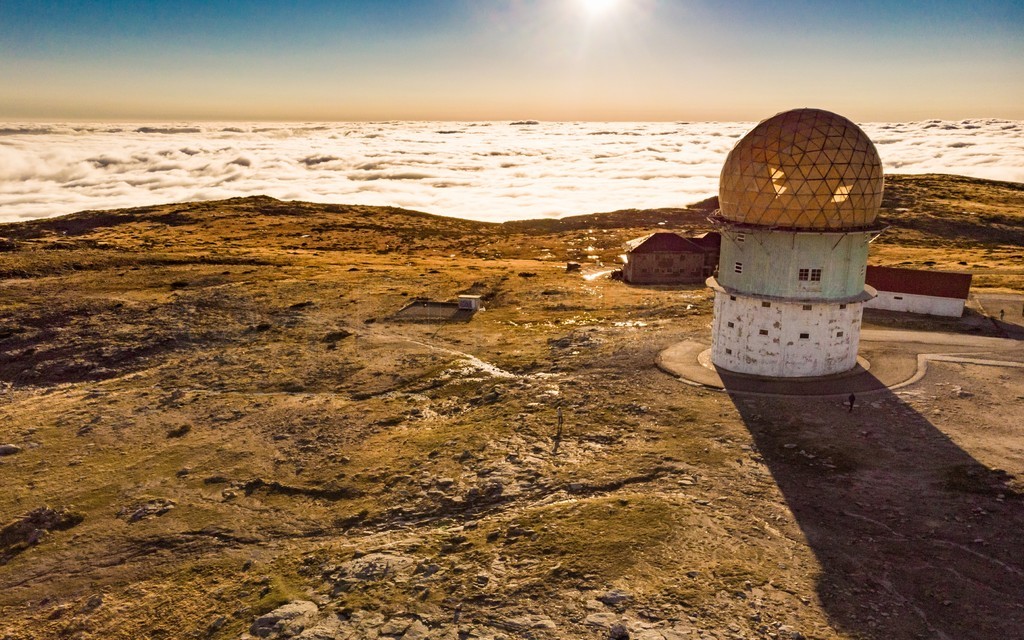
<point>665,257</point>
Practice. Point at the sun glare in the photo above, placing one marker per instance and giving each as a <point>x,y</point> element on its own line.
<point>596,8</point>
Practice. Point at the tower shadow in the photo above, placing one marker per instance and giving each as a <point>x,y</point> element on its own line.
<point>915,538</point>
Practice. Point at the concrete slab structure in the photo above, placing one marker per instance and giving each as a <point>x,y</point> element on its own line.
<point>470,302</point>
<point>890,359</point>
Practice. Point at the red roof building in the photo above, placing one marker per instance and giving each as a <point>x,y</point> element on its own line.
<point>669,258</point>
<point>939,293</point>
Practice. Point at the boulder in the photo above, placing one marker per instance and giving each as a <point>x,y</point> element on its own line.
<point>286,621</point>
<point>373,567</point>
<point>604,620</point>
<point>394,627</point>
<point>416,631</point>
<point>532,622</point>
<point>618,632</point>
<point>143,510</point>
<point>613,597</point>
<point>27,530</point>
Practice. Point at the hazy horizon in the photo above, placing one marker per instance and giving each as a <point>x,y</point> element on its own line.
<point>479,170</point>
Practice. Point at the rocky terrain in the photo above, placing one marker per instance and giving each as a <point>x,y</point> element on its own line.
<point>213,426</point>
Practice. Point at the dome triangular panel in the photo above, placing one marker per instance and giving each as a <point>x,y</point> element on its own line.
<point>803,168</point>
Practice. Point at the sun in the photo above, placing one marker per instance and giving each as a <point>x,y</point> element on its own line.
<point>595,8</point>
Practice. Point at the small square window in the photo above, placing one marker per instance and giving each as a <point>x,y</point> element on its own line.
<point>766,304</point>
<point>740,237</point>
<point>733,298</point>
<point>839,334</point>
<point>731,325</point>
<point>728,352</point>
<point>842,306</point>
<point>815,275</point>
<point>808,307</point>
<point>738,267</point>
<point>804,336</point>
<point>763,332</point>
<point>804,274</point>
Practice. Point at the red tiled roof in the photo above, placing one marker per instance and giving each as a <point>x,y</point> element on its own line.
<point>663,241</point>
<point>708,240</point>
<point>942,284</point>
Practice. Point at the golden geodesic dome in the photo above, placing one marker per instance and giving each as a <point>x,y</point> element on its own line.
<point>804,168</point>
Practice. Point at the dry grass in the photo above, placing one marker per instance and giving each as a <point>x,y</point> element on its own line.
<point>178,353</point>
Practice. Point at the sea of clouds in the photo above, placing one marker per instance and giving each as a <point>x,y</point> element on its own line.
<point>484,171</point>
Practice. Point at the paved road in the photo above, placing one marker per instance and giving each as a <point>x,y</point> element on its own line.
<point>898,358</point>
<point>1012,308</point>
<point>943,339</point>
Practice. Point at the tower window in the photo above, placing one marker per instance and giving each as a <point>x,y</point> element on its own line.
<point>842,306</point>
<point>815,275</point>
<point>804,274</point>
<point>897,297</point>
<point>738,267</point>
<point>766,304</point>
<point>731,325</point>
<point>839,334</point>
<point>807,307</point>
<point>728,352</point>
<point>804,336</point>
<point>733,298</point>
<point>740,237</point>
<point>763,332</point>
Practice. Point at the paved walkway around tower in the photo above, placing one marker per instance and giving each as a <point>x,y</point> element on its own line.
<point>889,359</point>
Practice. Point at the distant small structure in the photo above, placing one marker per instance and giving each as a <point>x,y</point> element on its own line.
<point>665,257</point>
<point>434,312</point>
<point>470,302</point>
<point>934,293</point>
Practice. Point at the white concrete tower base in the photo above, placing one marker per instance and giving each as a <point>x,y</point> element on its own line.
<point>769,337</point>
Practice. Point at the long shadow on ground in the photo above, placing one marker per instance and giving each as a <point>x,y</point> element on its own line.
<point>916,539</point>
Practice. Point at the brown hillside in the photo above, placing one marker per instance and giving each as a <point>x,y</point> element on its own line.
<point>209,410</point>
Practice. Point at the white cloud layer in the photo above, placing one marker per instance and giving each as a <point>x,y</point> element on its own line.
<point>483,171</point>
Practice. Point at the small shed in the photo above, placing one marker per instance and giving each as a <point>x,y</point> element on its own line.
<point>434,312</point>
<point>665,257</point>
<point>470,302</point>
<point>935,293</point>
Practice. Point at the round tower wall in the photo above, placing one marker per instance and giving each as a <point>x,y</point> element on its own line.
<point>794,264</point>
<point>791,339</point>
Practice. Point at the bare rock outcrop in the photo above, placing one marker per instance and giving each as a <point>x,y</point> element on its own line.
<point>29,529</point>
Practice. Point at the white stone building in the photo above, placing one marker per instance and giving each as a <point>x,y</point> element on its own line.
<point>798,199</point>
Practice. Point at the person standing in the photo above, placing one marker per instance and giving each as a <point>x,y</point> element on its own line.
<point>852,399</point>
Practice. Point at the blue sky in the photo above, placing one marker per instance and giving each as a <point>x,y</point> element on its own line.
<point>509,59</point>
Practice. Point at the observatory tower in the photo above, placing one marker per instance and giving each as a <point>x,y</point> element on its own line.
<point>798,199</point>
